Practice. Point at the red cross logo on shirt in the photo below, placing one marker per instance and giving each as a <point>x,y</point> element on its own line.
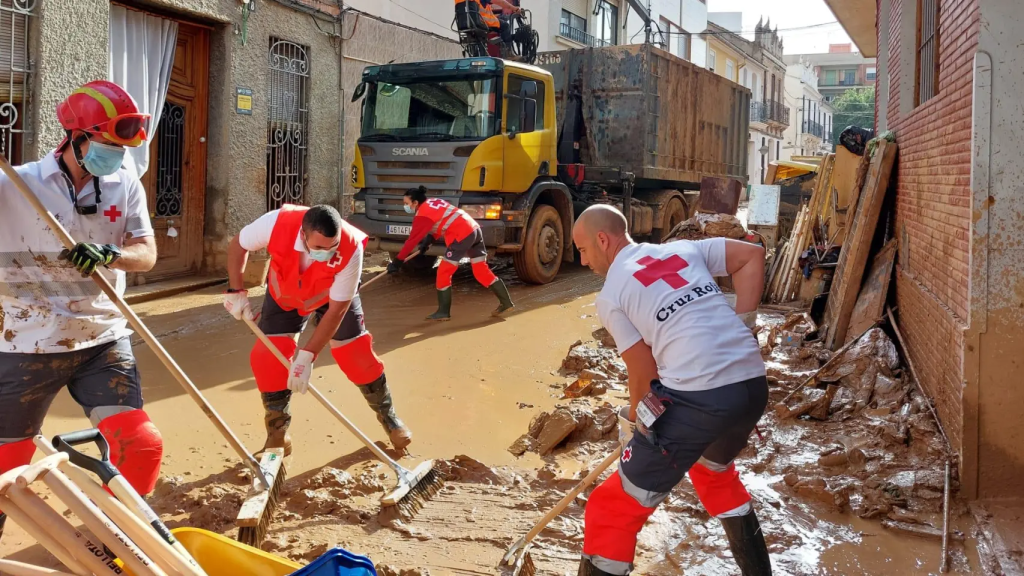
<point>627,454</point>
<point>436,203</point>
<point>667,270</point>
<point>113,213</point>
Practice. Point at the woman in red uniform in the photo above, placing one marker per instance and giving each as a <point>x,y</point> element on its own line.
<point>463,238</point>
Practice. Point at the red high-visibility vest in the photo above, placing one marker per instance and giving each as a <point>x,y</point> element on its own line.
<point>451,223</point>
<point>311,289</point>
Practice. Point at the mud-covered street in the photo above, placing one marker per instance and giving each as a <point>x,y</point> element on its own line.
<point>472,388</point>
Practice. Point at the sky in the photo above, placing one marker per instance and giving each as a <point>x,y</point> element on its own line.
<point>786,14</point>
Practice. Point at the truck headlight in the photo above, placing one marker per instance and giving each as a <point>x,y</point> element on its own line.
<point>483,211</point>
<point>359,207</point>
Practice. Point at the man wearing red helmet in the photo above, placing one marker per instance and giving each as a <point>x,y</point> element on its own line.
<point>59,329</point>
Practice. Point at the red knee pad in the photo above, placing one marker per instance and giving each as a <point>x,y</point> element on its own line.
<point>136,448</point>
<point>16,454</point>
<point>271,375</point>
<point>445,271</point>
<point>482,273</point>
<point>719,492</point>
<point>358,360</point>
<point>612,521</point>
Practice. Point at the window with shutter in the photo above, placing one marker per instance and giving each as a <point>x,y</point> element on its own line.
<point>14,75</point>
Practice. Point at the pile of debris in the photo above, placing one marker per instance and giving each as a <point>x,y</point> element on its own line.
<point>575,423</point>
<point>880,452</point>
<point>703,226</point>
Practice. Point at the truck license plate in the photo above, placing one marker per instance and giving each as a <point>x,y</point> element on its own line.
<point>403,230</point>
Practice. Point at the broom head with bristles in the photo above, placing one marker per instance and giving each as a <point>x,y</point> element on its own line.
<point>414,488</point>
<point>258,508</point>
<point>518,559</point>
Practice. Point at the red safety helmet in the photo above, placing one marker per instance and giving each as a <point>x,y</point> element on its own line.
<point>104,109</point>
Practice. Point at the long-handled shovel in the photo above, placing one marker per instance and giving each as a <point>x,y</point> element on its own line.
<point>128,509</point>
<point>413,486</point>
<point>269,478</point>
<point>518,555</point>
<point>50,529</point>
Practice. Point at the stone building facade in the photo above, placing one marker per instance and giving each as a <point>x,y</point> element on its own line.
<point>263,87</point>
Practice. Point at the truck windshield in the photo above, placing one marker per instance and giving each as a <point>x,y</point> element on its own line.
<point>430,110</point>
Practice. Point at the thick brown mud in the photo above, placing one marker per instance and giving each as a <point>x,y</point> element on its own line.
<point>487,398</point>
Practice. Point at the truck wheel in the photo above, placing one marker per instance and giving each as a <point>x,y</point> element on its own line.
<point>674,212</point>
<point>541,256</point>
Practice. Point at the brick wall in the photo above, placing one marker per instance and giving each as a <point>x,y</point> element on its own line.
<point>933,206</point>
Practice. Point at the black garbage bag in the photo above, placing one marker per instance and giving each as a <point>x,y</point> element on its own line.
<point>855,138</point>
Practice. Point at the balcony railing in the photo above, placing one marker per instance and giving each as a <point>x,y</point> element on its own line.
<point>766,112</point>
<point>578,36</point>
<point>779,113</point>
<point>813,128</point>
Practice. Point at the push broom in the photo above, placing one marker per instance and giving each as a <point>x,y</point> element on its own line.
<point>413,487</point>
<point>518,555</point>
<point>268,474</point>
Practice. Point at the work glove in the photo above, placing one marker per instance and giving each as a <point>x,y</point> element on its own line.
<point>301,369</point>
<point>749,319</point>
<point>626,427</point>
<point>425,244</point>
<point>237,304</point>
<point>394,266</point>
<point>86,257</point>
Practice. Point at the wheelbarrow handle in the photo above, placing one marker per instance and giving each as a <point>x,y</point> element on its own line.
<point>100,467</point>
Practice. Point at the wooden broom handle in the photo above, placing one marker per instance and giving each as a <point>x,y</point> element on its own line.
<point>137,324</point>
<point>565,501</point>
<point>383,274</point>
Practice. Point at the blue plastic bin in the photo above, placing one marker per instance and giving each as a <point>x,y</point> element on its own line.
<point>338,562</point>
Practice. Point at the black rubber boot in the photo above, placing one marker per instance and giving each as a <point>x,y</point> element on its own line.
<point>747,544</point>
<point>444,306</point>
<point>504,300</point>
<point>588,569</point>
<point>277,417</point>
<point>378,397</point>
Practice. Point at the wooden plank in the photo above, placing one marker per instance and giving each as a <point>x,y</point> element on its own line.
<point>871,302</point>
<point>844,182</point>
<point>854,257</point>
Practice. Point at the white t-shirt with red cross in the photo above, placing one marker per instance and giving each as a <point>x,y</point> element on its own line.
<point>256,236</point>
<point>666,296</point>
<point>46,306</point>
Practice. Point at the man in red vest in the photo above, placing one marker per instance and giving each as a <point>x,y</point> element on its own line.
<point>463,238</point>
<point>316,260</point>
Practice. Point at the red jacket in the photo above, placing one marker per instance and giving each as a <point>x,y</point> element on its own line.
<point>308,290</point>
<point>438,218</point>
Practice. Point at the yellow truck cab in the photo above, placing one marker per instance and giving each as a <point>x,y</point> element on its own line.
<point>478,132</point>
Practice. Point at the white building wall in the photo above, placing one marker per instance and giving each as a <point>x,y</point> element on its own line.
<point>695,20</point>
<point>434,16</point>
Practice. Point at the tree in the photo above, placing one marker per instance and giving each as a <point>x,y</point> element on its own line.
<point>855,107</point>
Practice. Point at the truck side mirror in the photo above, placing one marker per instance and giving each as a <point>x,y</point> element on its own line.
<point>528,90</point>
<point>359,91</point>
<point>528,116</point>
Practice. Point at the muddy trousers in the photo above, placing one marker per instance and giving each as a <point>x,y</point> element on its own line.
<point>104,381</point>
<point>471,247</point>
<point>700,433</point>
<point>352,349</point>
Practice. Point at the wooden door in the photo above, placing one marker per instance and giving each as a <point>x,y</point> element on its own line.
<point>176,180</point>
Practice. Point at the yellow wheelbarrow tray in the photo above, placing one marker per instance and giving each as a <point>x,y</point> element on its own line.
<point>222,556</point>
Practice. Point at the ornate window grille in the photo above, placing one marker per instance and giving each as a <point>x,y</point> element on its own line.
<point>171,147</point>
<point>15,72</point>
<point>288,125</point>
